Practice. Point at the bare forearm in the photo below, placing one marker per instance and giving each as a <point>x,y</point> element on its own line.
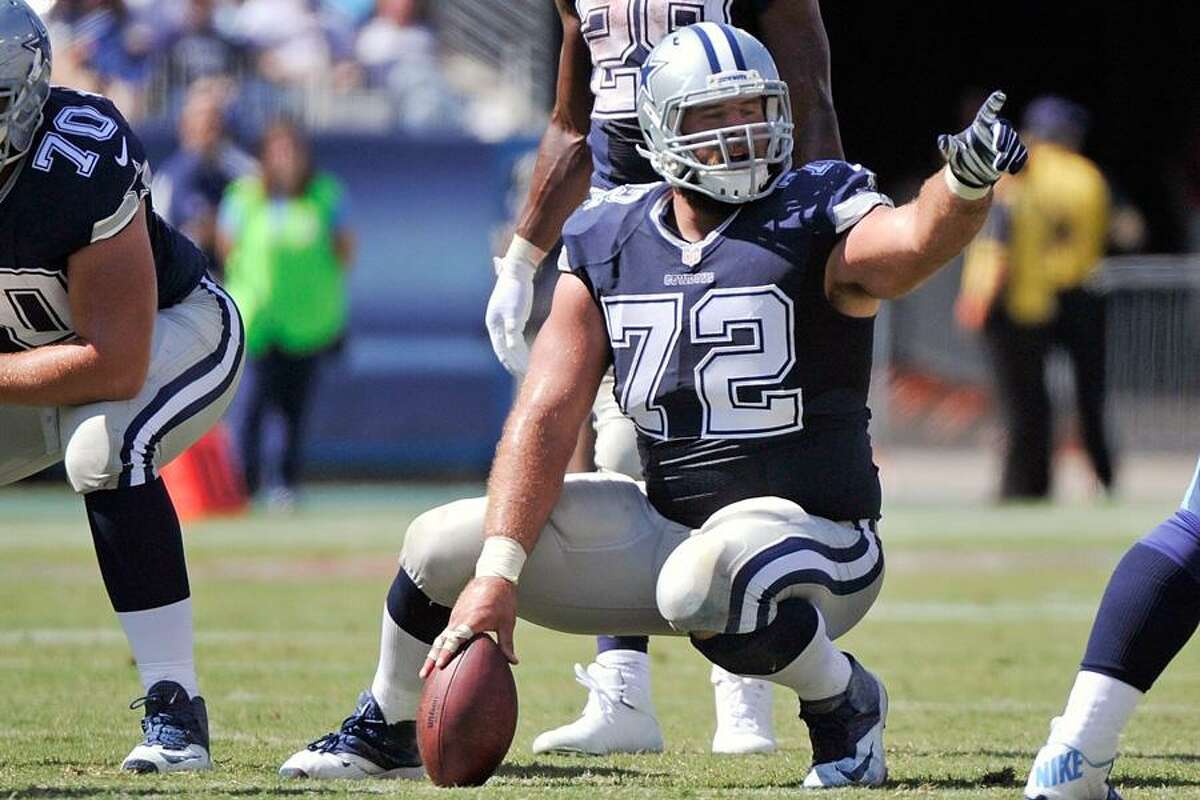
<point>945,223</point>
<point>795,35</point>
<point>527,475</point>
<point>63,375</point>
<point>817,135</point>
<point>559,184</point>
<point>917,239</point>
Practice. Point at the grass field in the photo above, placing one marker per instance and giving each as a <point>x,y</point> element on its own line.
<point>977,634</point>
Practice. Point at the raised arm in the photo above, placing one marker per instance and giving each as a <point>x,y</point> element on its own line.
<point>794,33</point>
<point>527,474</point>
<point>892,250</point>
<point>560,183</point>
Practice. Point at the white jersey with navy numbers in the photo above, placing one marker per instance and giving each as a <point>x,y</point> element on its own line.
<point>740,376</point>
<point>619,35</point>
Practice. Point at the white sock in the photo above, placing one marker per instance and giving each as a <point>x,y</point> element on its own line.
<point>820,671</point>
<point>397,686</point>
<point>161,639</point>
<point>632,663</point>
<point>635,671</point>
<point>1097,711</point>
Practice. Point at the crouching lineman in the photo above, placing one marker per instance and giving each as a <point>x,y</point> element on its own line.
<point>735,302</point>
<point>116,353</point>
<point>1150,610</point>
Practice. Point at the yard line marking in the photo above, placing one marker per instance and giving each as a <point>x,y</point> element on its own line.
<point>90,636</point>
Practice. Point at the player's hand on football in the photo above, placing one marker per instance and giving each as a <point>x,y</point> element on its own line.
<point>988,148</point>
<point>485,605</point>
<point>507,312</point>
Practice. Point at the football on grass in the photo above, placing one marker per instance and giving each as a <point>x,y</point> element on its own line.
<point>468,715</point>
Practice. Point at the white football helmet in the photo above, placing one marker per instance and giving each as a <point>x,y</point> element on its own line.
<point>708,63</point>
<point>24,77</point>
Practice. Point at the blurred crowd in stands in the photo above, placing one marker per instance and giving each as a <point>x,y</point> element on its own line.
<point>372,63</point>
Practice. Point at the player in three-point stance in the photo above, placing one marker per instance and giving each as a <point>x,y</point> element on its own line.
<point>116,353</point>
<point>1150,610</point>
<point>593,136</point>
<point>735,300</point>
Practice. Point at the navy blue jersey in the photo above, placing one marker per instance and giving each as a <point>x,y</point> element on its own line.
<point>82,181</point>
<point>741,377</point>
<point>619,35</point>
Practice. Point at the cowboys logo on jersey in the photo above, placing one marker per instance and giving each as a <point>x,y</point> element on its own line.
<point>742,379</point>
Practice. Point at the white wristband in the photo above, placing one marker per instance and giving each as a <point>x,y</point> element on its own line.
<point>961,189</point>
<point>502,557</point>
<point>523,251</point>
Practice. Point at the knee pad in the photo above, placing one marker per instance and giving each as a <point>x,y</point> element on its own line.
<point>616,446</point>
<point>692,592</point>
<point>697,585</point>
<point>752,555</point>
<point>766,651</point>
<point>441,548</point>
<point>1179,539</point>
<point>92,458</point>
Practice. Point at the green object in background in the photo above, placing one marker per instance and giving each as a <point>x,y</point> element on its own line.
<point>283,270</point>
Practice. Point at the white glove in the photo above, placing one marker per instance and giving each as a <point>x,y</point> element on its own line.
<point>511,301</point>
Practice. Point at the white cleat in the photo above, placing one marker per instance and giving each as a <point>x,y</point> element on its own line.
<point>1060,772</point>
<point>320,765</point>
<point>157,758</point>
<point>618,717</point>
<point>743,714</point>
<point>847,733</point>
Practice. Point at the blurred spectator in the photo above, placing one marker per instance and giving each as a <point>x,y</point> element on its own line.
<point>199,49</point>
<point>1024,286</point>
<point>293,44</point>
<point>399,53</point>
<point>101,46</point>
<point>190,183</point>
<point>286,247</point>
<point>356,12</point>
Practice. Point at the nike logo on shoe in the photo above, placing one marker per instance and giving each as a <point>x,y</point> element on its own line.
<point>855,775</point>
<point>179,759</point>
<point>123,159</point>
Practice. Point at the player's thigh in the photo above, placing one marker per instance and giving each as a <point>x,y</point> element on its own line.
<point>731,574</point>
<point>195,364</point>
<point>594,567</point>
<point>29,441</point>
<point>616,437</point>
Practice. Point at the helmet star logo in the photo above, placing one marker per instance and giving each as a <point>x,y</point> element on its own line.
<point>650,68</point>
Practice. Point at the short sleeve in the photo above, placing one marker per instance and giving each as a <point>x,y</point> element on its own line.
<point>851,194</point>
<point>120,191</point>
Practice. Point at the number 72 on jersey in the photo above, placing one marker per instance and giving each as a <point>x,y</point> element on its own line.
<point>748,338</point>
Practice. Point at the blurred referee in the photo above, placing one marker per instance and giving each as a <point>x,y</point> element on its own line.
<point>1023,285</point>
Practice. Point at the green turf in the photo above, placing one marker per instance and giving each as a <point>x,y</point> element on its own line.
<point>981,622</point>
